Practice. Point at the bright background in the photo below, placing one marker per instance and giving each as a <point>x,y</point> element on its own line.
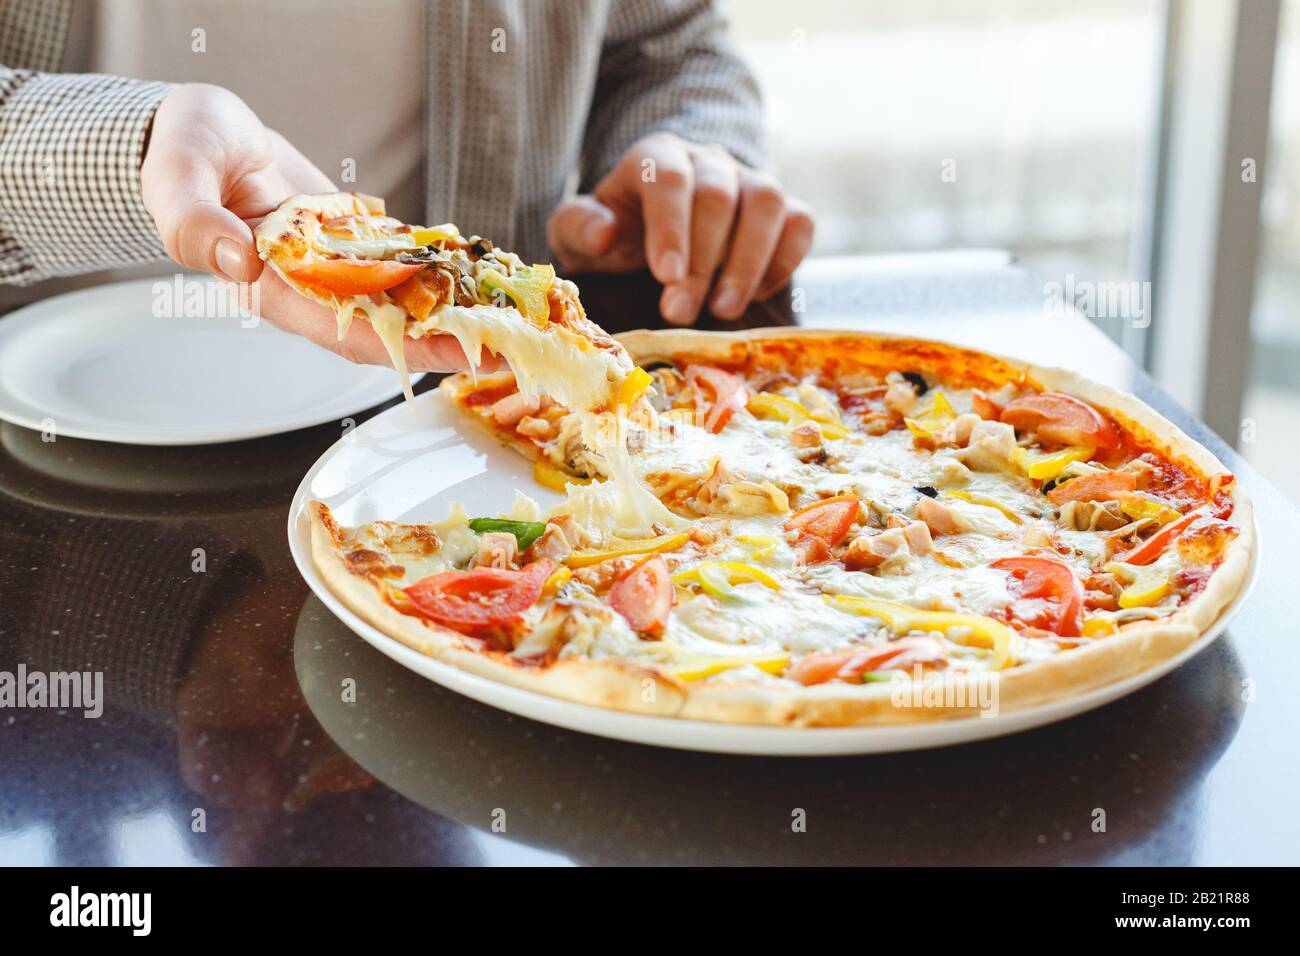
<point>1048,109</point>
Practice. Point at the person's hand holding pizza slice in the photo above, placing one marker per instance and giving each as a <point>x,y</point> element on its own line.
<point>211,173</point>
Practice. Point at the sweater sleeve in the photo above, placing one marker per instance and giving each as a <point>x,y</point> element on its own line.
<point>666,65</point>
<point>71,146</point>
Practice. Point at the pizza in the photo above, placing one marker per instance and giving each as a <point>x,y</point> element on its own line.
<point>342,251</point>
<point>798,527</point>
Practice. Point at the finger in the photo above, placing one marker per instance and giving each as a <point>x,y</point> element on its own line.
<point>796,239</point>
<point>184,198</point>
<point>274,300</point>
<point>758,228</point>
<point>442,353</point>
<point>713,209</point>
<point>664,181</point>
<point>581,231</point>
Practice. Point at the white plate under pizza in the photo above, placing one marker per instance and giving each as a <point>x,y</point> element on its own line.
<point>838,541</point>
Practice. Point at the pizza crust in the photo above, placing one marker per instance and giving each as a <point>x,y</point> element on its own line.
<point>624,685</point>
<point>612,684</point>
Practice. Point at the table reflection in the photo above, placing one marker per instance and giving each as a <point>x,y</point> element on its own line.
<point>1030,798</point>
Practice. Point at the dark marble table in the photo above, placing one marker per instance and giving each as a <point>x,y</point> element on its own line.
<point>224,738</point>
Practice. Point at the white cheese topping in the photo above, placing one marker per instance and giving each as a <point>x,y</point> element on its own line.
<point>554,362</point>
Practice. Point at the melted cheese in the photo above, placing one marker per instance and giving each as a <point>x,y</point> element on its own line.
<point>621,504</point>
<point>374,243</point>
<point>389,323</point>
<point>554,362</point>
<point>459,544</point>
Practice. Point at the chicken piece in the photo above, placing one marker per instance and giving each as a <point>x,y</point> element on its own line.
<point>940,518</point>
<point>958,431</point>
<point>989,447</point>
<point>497,549</point>
<point>722,492</point>
<point>600,576</point>
<point>807,435</point>
<point>871,551</point>
<point>705,533</point>
<point>816,401</point>
<point>807,440</point>
<point>538,428</point>
<point>918,538</point>
<point>575,534</point>
<point>900,397</point>
<point>510,410</point>
<point>551,544</point>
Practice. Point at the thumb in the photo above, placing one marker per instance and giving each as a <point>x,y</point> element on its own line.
<point>581,229</point>
<point>184,198</point>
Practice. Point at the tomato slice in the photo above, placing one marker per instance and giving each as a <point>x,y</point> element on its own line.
<point>849,665</point>
<point>1050,595</point>
<point>1154,546</point>
<point>481,600</point>
<point>354,276</point>
<point>1096,487</point>
<point>728,391</point>
<point>644,595</point>
<point>829,520</point>
<point>1062,419</point>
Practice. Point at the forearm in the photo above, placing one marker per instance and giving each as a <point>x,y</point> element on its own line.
<point>668,66</point>
<point>70,154</point>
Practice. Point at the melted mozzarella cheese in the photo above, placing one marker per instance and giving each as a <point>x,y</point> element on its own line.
<point>554,362</point>
<point>929,585</point>
<point>389,323</point>
<point>755,620</point>
<point>373,243</point>
<point>621,504</point>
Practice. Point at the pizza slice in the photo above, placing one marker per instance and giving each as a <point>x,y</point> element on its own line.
<point>343,251</point>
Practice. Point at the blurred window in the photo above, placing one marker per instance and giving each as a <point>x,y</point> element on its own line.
<point>1018,124</point>
<point>1272,401</point>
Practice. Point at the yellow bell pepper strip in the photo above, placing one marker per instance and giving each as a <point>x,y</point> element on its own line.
<point>1047,467</point>
<point>548,476</point>
<point>930,423</point>
<point>433,234</point>
<point>527,289</point>
<point>760,546</point>
<point>622,547</point>
<point>1137,507</point>
<point>901,619</point>
<point>1146,585</point>
<point>525,532</point>
<point>637,381</point>
<point>985,502</point>
<point>558,579</point>
<point>718,577</point>
<point>941,407</point>
<point>772,406</point>
<point>1099,627</point>
<point>708,666</point>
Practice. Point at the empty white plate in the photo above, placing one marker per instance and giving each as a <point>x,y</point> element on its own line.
<point>170,362</point>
